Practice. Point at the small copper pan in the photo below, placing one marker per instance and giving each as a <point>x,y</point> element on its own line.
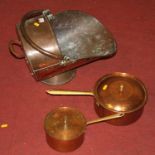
<point>116,93</point>
<point>65,128</point>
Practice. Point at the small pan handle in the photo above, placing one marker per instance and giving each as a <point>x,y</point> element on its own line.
<point>69,92</point>
<point>114,116</point>
<point>12,50</point>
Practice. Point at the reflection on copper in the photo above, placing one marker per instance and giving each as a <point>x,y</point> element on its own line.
<point>122,92</point>
<point>66,125</point>
<point>105,87</point>
<point>125,94</point>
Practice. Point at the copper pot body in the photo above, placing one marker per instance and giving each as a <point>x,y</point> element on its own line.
<point>127,119</point>
<point>65,145</point>
<point>64,129</point>
<point>120,93</point>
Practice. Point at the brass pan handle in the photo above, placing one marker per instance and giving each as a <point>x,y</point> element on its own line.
<point>12,50</point>
<point>98,120</point>
<point>69,92</point>
<point>73,92</point>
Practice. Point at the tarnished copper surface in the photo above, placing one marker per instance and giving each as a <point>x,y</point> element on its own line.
<point>55,44</point>
<point>64,128</point>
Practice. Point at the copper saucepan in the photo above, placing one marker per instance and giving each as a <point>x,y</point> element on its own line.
<point>65,128</point>
<point>116,93</point>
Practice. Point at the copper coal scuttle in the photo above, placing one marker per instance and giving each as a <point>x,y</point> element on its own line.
<point>55,45</point>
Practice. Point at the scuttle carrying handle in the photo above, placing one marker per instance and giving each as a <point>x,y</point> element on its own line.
<point>30,15</point>
<point>16,53</point>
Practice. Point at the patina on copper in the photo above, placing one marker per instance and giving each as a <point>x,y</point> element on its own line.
<point>116,93</point>
<point>55,45</point>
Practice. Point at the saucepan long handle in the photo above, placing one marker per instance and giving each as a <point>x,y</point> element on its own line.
<point>106,118</point>
<point>69,92</point>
